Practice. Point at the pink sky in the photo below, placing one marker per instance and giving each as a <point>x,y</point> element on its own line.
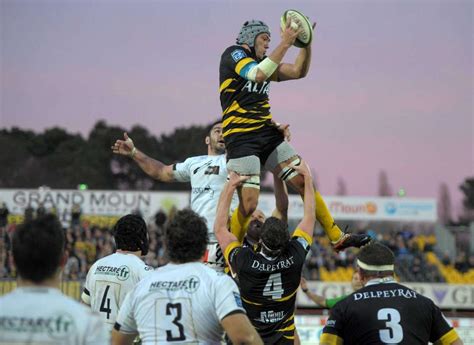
<point>390,86</point>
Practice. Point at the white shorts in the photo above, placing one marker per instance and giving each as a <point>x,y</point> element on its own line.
<point>214,258</point>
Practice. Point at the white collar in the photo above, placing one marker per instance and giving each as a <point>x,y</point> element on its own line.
<point>384,280</point>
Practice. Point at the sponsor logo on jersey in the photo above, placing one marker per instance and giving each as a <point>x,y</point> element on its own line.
<point>189,285</point>
<point>57,326</point>
<point>385,294</point>
<point>238,55</point>
<point>273,267</point>
<point>257,88</point>
<point>331,323</point>
<point>122,272</point>
<point>271,316</point>
<point>212,170</point>
<point>201,190</point>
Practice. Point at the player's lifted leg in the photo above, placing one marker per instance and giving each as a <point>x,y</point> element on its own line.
<point>248,193</point>
<point>280,164</point>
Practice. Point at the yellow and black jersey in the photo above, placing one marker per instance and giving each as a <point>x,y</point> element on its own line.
<point>245,106</point>
<point>268,286</point>
<point>387,313</point>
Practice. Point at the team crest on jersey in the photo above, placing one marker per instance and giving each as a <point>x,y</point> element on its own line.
<point>238,55</point>
<point>212,170</point>
<point>238,300</point>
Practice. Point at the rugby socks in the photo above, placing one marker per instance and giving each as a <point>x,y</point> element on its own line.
<point>333,232</point>
<point>239,224</point>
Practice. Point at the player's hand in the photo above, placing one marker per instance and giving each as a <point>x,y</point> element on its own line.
<point>302,169</point>
<point>235,180</point>
<point>285,130</point>
<point>303,284</point>
<point>124,147</point>
<point>289,35</point>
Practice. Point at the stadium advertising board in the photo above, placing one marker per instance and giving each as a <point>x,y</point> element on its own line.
<point>116,203</point>
<point>446,296</point>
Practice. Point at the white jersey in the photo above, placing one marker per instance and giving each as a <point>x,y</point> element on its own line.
<point>207,175</point>
<point>42,315</point>
<point>109,280</point>
<point>180,303</point>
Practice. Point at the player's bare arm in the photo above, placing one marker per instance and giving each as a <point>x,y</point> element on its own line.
<point>221,229</point>
<point>281,199</point>
<point>297,70</point>
<point>319,300</point>
<point>309,216</point>
<point>152,167</point>
<point>119,338</point>
<point>240,330</point>
<point>288,37</point>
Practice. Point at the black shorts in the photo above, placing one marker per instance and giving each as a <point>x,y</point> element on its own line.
<point>260,143</point>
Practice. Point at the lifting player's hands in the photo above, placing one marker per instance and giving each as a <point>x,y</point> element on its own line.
<point>303,284</point>
<point>235,180</point>
<point>289,34</point>
<point>124,147</point>
<point>302,168</point>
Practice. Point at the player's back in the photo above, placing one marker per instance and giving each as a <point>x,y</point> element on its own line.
<point>40,315</point>
<point>268,287</point>
<point>387,313</point>
<point>109,280</point>
<point>180,303</point>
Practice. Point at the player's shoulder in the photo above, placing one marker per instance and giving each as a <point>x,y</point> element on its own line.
<point>235,52</point>
<point>197,159</point>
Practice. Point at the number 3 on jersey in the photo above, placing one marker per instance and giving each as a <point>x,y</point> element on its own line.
<point>394,333</point>
<point>274,288</point>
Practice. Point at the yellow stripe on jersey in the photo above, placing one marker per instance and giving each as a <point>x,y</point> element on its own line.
<point>242,63</point>
<point>225,84</point>
<point>301,233</point>
<point>237,130</point>
<point>330,339</point>
<point>229,90</point>
<point>238,119</point>
<point>229,248</point>
<point>288,337</point>
<point>288,328</point>
<point>283,299</point>
<point>234,107</point>
<point>250,302</point>
<point>448,338</point>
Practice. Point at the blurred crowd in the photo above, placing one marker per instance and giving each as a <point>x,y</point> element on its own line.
<point>87,243</point>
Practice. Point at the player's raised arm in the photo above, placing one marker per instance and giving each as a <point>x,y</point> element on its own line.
<point>297,70</point>
<point>221,229</point>
<point>281,199</point>
<point>152,167</point>
<point>307,223</point>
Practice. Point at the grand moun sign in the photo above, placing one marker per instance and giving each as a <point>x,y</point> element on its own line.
<point>117,203</point>
<point>446,296</point>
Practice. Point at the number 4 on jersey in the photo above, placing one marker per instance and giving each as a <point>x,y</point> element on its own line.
<point>105,308</point>
<point>273,288</point>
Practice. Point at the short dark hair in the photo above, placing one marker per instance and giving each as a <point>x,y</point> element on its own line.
<point>254,232</point>
<point>131,234</point>
<point>275,235</point>
<point>376,254</point>
<point>186,237</point>
<point>38,248</point>
<point>211,126</point>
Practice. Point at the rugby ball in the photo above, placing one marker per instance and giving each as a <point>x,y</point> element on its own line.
<point>306,36</point>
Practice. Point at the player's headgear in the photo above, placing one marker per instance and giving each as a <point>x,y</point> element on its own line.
<point>250,30</point>
<point>376,257</point>
<point>275,235</point>
<point>131,234</point>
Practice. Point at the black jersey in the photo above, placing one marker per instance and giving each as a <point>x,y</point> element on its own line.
<point>268,286</point>
<point>387,313</point>
<point>245,107</point>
